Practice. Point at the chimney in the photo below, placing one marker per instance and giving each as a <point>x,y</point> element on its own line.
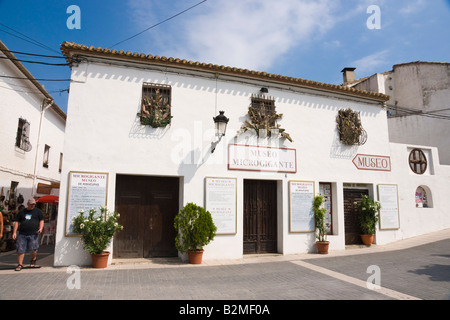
<point>349,74</point>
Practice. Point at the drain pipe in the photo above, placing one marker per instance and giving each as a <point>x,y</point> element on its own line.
<point>47,103</point>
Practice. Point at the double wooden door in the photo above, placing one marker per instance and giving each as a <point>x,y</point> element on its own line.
<point>260,216</point>
<point>351,223</point>
<point>147,207</point>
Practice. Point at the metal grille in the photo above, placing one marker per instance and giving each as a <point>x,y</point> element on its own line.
<point>265,105</point>
<point>150,88</point>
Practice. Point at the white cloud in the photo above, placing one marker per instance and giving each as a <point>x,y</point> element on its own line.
<point>254,33</point>
<point>413,7</point>
<point>372,63</point>
<point>249,34</point>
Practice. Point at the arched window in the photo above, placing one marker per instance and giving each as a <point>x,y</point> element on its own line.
<point>423,197</point>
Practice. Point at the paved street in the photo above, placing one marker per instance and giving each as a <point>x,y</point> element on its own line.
<point>418,268</point>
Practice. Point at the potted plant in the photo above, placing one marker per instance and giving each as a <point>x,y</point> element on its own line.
<point>368,218</point>
<point>195,229</point>
<point>97,230</point>
<point>319,218</point>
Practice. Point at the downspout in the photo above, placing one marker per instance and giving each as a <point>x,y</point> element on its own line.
<point>47,103</point>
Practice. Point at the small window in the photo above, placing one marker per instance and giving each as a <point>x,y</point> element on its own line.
<point>46,156</point>
<point>417,161</point>
<point>265,107</point>
<point>423,197</point>
<point>156,105</point>
<point>23,135</point>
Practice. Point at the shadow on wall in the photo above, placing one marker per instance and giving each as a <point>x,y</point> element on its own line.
<point>65,249</point>
<point>306,98</point>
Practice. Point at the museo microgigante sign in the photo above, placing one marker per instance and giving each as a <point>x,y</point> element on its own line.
<point>257,158</point>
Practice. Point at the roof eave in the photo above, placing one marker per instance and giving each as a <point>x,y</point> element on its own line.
<point>70,49</point>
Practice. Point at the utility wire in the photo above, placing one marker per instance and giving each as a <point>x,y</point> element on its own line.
<point>31,40</point>
<point>405,112</point>
<point>33,79</point>
<point>34,91</point>
<point>157,24</point>
<point>33,54</point>
<point>37,62</point>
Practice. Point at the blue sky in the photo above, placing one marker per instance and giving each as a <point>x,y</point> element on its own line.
<point>307,39</point>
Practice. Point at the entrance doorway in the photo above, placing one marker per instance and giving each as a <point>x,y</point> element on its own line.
<point>260,216</point>
<point>352,229</point>
<point>147,207</point>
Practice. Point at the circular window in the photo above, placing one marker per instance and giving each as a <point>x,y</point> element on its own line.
<point>417,161</point>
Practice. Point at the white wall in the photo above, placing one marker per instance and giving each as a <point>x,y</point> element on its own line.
<point>103,134</point>
<point>20,99</point>
<point>420,86</point>
<point>416,221</point>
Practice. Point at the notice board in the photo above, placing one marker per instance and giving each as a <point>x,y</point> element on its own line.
<point>301,214</point>
<point>86,191</point>
<point>389,213</point>
<point>221,201</point>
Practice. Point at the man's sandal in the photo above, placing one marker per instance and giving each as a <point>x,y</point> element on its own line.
<point>19,267</point>
<point>33,263</point>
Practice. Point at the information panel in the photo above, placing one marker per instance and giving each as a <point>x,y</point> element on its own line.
<point>301,214</point>
<point>220,201</point>
<point>87,190</point>
<point>389,214</point>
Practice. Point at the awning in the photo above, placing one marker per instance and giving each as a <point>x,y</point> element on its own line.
<point>48,199</point>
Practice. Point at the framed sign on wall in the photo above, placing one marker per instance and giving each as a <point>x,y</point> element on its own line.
<point>221,202</point>
<point>389,213</point>
<point>301,198</point>
<point>86,190</point>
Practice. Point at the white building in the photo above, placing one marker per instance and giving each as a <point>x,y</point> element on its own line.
<point>31,135</point>
<point>147,174</point>
<point>419,110</point>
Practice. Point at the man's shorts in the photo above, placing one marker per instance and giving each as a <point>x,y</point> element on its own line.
<point>27,244</point>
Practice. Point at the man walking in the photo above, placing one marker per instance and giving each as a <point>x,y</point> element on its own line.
<point>29,222</point>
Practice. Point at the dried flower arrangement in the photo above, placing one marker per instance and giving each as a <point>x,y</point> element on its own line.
<point>350,127</point>
<point>155,110</point>
<point>263,119</point>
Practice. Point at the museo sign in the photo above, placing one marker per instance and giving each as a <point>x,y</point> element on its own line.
<point>372,162</point>
<point>257,158</point>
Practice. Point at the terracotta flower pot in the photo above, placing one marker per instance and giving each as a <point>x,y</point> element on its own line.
<point>195,256</point>
<point>322,246</point>
<point>100,260</point>
<point>367,239</point>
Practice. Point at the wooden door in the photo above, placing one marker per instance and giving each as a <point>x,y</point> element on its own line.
<point>128,243</point>
<point>352,229</point>
<point>147,207</point>
<point>260,216</point>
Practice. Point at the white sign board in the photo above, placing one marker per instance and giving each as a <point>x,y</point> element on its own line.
<point>389,217</point>
<point>87,190</point>
<point>256,158</point>
<point>220,201</point>
<point>301,214</point>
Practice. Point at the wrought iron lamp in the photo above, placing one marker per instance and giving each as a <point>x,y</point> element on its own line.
<point>221,127</point>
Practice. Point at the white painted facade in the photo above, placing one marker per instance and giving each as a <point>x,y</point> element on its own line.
<point>23,99</point>
<point>103,134</point>
<point>419,93</point>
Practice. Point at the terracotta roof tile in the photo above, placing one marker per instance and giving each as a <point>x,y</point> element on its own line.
<point>69,49</point>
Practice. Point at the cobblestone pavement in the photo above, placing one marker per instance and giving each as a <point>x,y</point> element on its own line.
<point>409,269</point>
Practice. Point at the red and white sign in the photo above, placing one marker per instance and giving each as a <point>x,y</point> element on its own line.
<point>372,162</point>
